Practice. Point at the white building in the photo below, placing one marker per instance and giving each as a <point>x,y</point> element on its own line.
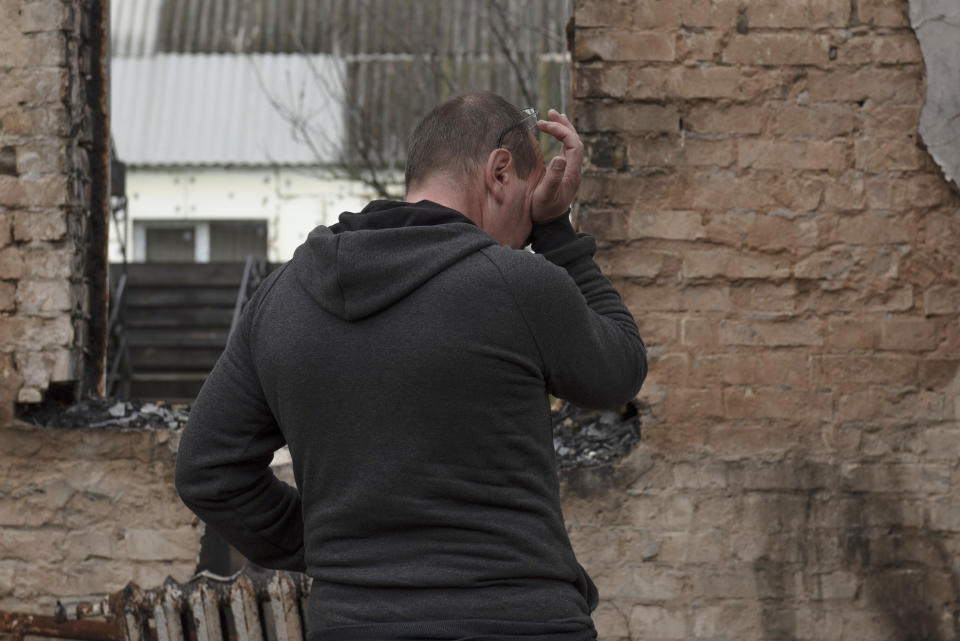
<point>214,170</point>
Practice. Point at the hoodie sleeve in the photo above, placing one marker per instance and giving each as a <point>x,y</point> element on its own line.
<point>223,465</point>
<point>589,343</point>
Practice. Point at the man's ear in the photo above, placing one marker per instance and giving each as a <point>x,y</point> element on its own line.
<point>497,172</point>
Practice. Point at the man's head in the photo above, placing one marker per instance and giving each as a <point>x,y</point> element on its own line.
<point>456,137</point>
<point>454,158</point>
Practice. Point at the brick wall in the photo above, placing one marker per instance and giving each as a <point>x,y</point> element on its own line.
<point>792,255</point>
<point>83,512</point>
<point>52,198</point>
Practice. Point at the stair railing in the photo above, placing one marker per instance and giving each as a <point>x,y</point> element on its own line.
<point>254,271</point>
<point>116,334</point>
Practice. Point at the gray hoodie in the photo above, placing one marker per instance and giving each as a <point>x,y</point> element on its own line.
<point>406,359</point>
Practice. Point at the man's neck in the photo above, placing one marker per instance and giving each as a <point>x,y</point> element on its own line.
<point>456,197</point>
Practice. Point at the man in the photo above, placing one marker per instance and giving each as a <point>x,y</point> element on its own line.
<point>406,354</point>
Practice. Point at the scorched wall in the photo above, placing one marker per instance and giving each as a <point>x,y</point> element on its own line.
<point>792,256</point>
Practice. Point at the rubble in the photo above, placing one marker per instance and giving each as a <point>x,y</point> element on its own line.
<point>581,437</point>
<point>586,438</point>
<point>96,413</point>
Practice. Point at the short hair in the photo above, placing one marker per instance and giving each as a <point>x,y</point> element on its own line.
<point>458,134</point>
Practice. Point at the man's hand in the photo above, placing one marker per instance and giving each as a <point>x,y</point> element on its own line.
<point>556,190</point>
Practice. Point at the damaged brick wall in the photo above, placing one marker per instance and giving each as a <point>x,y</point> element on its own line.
<point>53,187</point>
<point>792,255</point>
<point>83,512</point>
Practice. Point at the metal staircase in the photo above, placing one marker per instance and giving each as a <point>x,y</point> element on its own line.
<point>169,322</point>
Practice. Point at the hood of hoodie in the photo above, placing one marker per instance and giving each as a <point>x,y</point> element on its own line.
<point>370,260</point>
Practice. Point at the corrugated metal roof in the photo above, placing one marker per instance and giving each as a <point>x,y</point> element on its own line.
<point>226,109</point>
<point>345,27</point>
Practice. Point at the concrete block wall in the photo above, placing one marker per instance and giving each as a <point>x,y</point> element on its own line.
<point>48,195</point>
<point>791,254</point>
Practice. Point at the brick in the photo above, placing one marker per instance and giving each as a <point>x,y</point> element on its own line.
<point>702,298</point>
<point>828,264</point>
<point>657,329</point>
<point>846,192</point>
<point>868,369</point>
<point>886,403</point>
<point>757,190</point>
<point>774,402</point>
<point>48,225</point>
<point>43,15</point>
<point>853,333</point>
<point>823,121</point>
<point>670,225</point>
<point>883,13</point>
<point>777,298</point>
<point>641,583</point>
<point>635,262</point>
<point>39,192</point>
<point>899,154</point>
<point>779,49</point>
<point>919,478</point>
<point>619,45</point>
<point>731,621</point>
<point>697,331</point>
<point>699,46</point>
<point>769,232</point>
<point>610,621</point>
<point>732,264</point>
<point>35,333</point>
<point>42,158</point>
<point>8,301</point>
<point>605,81</point>
<point>657,622</point>
<point>774,154</point>
<point>912,335</point>
<point>942,443</point>
<point>899,193</point>
<point>694,402</point>
<point>708,13</point>
<point>725,119</point>
<point>180,544</point>
<point>6,229</point>
<point>37,85</point>
<point>878,85</point>
<point>43,296</point>
<point>670,368</point>
<point>874,49</point>
<point>941,300</point>
<point>655,14</point>
<point>771,333</point>
<point>654,83</point>
<point>35,50</point>
<point>606,224</point>
<point>937,373</point>
<point>890,121</point>
<point>45,262</point>
<point>603,151</point>
<point>798,14</point>
<point>782,367</point>
<point>780,230</point>
<point>874,228</point>
<point>660,152</point>
<point>11,263</point>
<point>629,118</point>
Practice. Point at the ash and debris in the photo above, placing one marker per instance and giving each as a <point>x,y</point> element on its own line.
<point>586,438</point>
<point>110,413</point>
<point>581,437</point>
